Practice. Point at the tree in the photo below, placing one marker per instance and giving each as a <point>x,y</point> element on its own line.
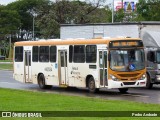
<point>148,10</point>
<point>49,16</point>
<point>9,23</point>
<point>70,12</point>
<point>119,15</point>
<point>26,9</point>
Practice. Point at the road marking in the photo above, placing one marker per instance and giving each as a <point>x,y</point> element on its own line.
<point>135,95</point>
<point>8,82</point>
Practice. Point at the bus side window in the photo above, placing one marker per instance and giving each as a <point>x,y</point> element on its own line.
<point>35,54</point>
<point>70,53</point>
<point>53,53</point>
<point>44,54</point>
<point>91,55</point>
<point>79,54</point>
<point>18,54</point>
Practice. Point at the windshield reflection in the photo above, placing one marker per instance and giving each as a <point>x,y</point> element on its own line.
<point>127,60</point>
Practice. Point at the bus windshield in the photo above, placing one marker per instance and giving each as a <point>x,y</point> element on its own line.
<point>127,60</point>
<point>158,57</point>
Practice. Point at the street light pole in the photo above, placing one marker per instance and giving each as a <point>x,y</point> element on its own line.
<point>10,37</point>
<point>34,15</point>
<point>10,42</point>
<point>112,11</point>
<point>33,28</point>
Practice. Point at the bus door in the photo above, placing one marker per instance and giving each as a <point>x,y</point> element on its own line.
<point>62,69</point>
<point>103,68</point>
<point>27,66</point>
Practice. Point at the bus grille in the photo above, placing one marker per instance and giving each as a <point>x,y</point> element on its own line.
<point>129,83</point>
<point>129,75</point>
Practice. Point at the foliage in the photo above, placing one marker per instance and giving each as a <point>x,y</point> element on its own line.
<point>148,10</point>
<point>119,15</point>
<point>26,10</point>
<point>69,12</point>
<point>9,21</point>
<point>17,17</point>
<point>49,15</point>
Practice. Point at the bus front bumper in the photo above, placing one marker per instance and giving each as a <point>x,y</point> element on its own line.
<point>126,84</point>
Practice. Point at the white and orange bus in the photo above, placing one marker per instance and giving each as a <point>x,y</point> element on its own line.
<point>89,63</point>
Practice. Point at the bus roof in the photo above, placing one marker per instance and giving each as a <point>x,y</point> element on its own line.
<point>70,41</point>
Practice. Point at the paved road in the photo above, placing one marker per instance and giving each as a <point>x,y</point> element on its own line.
<point>138,94</point>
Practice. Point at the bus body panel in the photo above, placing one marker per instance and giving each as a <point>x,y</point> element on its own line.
<point>48,69</point>
<point>19,71</point>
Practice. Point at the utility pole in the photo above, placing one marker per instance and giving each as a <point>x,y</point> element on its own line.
<point>122,4</point>
<point>33,28</point>
<point>34,15</point>
<point>10,38</point>
<point>10,42</point>
<point>112,11</point>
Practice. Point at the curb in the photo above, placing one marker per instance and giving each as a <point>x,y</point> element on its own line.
<point>6,62</point>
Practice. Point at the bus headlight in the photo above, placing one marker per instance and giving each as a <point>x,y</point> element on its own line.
<point>143,77</point>
<point>113,78</point>
<point>158,77</point>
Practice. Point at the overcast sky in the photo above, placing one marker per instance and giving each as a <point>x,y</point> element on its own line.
<point>4,2</point>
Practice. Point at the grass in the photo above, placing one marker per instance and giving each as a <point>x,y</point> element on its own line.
<point>6,66</point>
<point>19,100</point>
<point>6,60</point>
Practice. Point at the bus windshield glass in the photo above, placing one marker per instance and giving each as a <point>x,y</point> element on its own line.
<point>127,60</point>
<point>158,56</point>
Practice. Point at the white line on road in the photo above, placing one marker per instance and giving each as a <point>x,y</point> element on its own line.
<point>135,95</point>
<point>8,82</point>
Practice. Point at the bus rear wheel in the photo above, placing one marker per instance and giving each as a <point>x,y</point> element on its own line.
<point>41,82</point>
<point>91,86</point>
<point>123,90</point>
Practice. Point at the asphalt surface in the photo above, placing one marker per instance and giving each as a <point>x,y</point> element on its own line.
<point>133,94</point>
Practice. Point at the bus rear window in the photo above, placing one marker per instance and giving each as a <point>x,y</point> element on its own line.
<point>18,54</point>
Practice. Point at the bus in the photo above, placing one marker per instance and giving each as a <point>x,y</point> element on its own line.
<point>152,65</point>
<point>85,63</point>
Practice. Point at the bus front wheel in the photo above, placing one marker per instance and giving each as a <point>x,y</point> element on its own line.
<point>149,85</point>
<point>41,82</point>
<point>123,90</point>
<point>91,85</point>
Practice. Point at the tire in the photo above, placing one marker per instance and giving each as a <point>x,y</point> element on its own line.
<point>91,86</point>
<point>123,90</point>
<point>149,85</point>
<point>41,82</point>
